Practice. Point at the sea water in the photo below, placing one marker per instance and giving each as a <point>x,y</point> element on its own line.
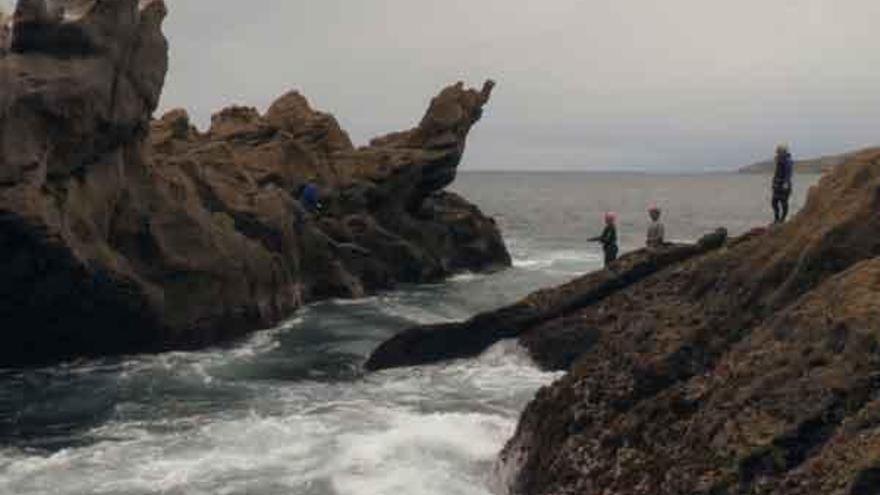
<point>289,410</point>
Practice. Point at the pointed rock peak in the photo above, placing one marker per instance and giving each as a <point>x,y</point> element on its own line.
<point>486,92</point>
<point>292,100</point>
<point>447,121</point>
<point>290,110</point>
<point>292,113</point>
<point>235,120</point>
<point>153,10</point>
<point>174,124</point>
<point>456,106</point>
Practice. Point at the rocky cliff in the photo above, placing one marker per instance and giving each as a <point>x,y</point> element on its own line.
<point>120,234</point>
<point>745,367</point>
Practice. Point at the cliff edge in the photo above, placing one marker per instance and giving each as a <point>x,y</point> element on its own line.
<point>752,369</point>
<point>120,233</point>
<point>748,366</point>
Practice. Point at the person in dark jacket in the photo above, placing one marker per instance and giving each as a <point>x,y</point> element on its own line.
<point>608,239</point>
<point>782,183</point>
<point>310,198</point>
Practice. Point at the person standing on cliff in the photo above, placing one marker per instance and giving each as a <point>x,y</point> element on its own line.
<point>782,183</point>
<point>656,230</point>
<point>608,239</point>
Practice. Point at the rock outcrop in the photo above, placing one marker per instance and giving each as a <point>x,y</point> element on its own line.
<point>753,368</point>
<point>122,234</point>
<point>443,341</point>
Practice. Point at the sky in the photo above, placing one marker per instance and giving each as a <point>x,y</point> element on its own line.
<point>582,84</point>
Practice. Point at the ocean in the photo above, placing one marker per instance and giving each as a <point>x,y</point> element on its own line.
<point>289,411</point>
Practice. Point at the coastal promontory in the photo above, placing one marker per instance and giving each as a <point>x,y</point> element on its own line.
<point>748,365</point>
<point>124,233</point>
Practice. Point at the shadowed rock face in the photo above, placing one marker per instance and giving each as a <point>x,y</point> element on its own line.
<point>122,234</point>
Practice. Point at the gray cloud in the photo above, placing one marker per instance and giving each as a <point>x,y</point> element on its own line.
<point>583,84</point>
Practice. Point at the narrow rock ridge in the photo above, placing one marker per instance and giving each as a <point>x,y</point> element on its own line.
<point>440,342</point>
<point>119,233</point>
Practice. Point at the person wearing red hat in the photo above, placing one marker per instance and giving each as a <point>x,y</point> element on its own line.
<point>608,239</point>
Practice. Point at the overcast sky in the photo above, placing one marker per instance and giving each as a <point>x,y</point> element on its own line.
<point>583,84</point>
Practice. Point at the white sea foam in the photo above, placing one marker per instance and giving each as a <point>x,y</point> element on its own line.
<point>432,430</point>
<point>466,277</point>
<point>569,260</point>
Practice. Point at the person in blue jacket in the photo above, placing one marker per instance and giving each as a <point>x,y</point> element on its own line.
<point>310,198</point>
<point>782,183</point>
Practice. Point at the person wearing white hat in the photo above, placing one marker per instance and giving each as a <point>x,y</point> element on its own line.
<point>656,230</point>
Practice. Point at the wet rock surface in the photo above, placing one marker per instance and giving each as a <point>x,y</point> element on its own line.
<point>434,343</point>
<point>119,233</point>
<point>750,368</point>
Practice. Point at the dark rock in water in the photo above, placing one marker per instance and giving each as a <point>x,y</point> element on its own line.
<point>754,368</point>
<point>433,343</point>
<point>121,234</point>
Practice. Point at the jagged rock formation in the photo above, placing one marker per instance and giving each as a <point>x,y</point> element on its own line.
<point>753,368</point>
<point>122,234</point>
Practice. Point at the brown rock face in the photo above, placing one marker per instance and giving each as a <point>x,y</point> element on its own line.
<point>753,369</point>
<point>122,234</point>
<point>439,342</point>
<point>750,366</point>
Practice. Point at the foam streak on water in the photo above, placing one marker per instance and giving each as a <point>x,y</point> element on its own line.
<point>427,431</point>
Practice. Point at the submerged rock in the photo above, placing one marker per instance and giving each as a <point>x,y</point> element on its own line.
<point>123,234</point>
